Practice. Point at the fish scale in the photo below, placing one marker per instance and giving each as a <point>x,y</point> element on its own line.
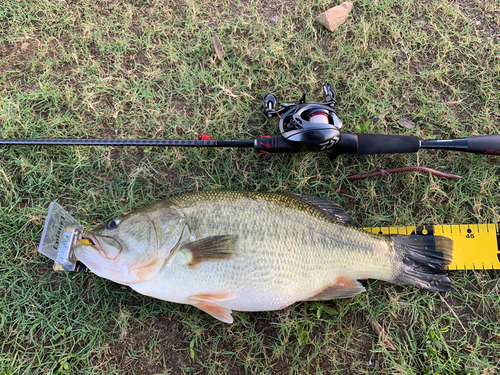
<point>288,267</point>
<point>226,250</point>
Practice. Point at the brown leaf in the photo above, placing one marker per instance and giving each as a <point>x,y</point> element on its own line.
<point>218,47</point>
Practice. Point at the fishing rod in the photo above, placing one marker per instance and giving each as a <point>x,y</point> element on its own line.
<point>304,126</point>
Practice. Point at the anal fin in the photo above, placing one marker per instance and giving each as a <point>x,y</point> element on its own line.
<point>344,287</point>
<point>208,303</point>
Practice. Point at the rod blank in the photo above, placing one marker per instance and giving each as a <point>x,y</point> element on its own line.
<point>127,142</point>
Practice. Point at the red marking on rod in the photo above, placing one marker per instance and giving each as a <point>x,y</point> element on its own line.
<point>266,136</point>
<point>204,137</point>
<point>265,144</point>
<point>264,152</point>
<point>357,143</point>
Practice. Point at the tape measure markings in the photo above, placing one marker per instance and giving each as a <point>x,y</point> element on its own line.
<point>476,246</point>
<point>498,242</point>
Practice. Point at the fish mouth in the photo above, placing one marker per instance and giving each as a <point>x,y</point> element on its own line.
<point>96,244</point>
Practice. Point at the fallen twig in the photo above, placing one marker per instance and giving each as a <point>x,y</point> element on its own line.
<point>453,312</point>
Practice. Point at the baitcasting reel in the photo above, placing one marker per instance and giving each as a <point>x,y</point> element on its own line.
<point>307,126</point>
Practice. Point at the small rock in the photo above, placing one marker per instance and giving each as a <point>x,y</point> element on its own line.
<point>273,18</point>
<point>334,17</point>
<point>478,23</point>
<point>24,47</point>
<point>405,122</point>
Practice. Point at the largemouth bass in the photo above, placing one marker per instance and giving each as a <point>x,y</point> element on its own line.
<point>226,250</point>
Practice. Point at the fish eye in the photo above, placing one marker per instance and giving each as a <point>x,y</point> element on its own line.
<point>112,224</point>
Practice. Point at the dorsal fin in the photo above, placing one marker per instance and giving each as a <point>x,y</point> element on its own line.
<point>211,248</point>
<point>331,210</point>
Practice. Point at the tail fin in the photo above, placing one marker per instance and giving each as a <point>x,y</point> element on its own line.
<point>424,258</point>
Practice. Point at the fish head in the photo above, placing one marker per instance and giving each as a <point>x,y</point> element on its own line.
<point>133,248</point>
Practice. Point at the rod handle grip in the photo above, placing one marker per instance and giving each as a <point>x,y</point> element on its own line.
<point>371,144</point>
<point>484,144</point>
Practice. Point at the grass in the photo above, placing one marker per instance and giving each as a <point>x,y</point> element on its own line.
<point>148,70</point>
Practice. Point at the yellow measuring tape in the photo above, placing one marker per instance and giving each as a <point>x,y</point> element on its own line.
<point>476,246</point>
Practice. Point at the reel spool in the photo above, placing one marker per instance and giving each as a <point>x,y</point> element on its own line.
<point>307,126</point>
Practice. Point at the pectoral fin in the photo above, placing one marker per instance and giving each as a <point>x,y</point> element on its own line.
<point>343,288</point>
<point>211,249</point>
<point>208,303</point>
